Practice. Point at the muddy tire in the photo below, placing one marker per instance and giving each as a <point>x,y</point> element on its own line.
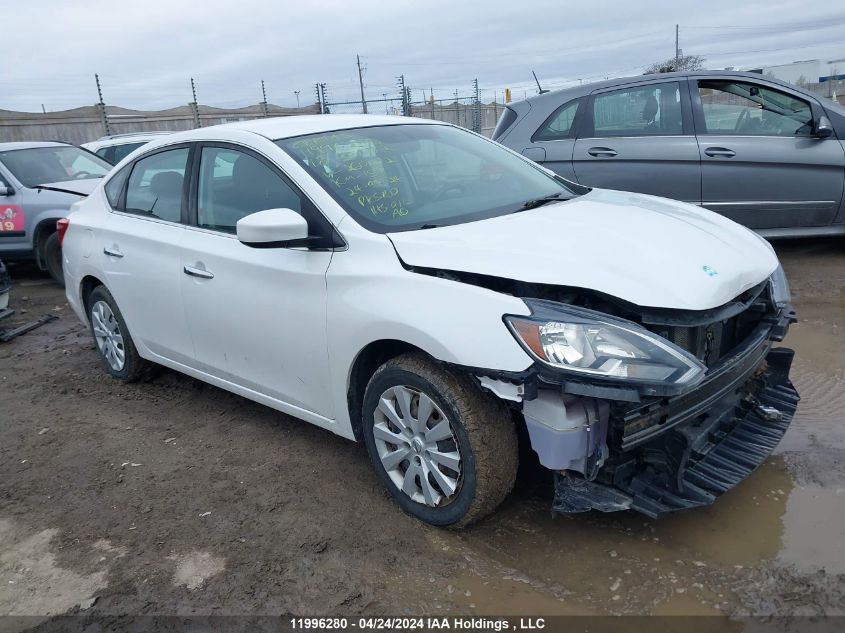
<point>52,255</point>
<point>114,344</point>
<point>446,451</point>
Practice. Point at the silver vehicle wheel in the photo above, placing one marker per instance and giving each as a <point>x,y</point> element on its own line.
<point>108,336</point>
<point>417,447</point>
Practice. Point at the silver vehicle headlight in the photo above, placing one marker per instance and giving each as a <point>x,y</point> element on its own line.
<point>781,294</point>
<point>590,343</point>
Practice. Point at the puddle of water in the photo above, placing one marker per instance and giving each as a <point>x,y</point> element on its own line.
<point>743,526</point>
<point>814,529</point>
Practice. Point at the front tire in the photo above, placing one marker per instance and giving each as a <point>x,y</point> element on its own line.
<point>446,451</point>
<point>52,255</point>
<point>114,344</point>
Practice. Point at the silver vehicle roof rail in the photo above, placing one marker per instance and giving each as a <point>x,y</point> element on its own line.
<point>125,134</point>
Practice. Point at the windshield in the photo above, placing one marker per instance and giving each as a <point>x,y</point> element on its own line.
<point>402,177</point>
<point>42,165</point>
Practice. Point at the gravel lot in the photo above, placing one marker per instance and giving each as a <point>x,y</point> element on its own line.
<point>174,497</point>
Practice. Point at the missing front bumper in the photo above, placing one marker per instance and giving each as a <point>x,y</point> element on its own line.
<point>696,461</point>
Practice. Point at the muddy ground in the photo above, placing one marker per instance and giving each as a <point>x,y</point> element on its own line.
<point>174,497</point>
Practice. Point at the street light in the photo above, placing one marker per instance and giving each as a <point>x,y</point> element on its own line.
<point>296,92</point>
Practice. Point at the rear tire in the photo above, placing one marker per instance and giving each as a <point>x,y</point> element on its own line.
<point>112,339</point>
<point>420,417</point>
<point>52,256</point>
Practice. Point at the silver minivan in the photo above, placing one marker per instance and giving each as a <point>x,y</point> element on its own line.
<point>761,152</point>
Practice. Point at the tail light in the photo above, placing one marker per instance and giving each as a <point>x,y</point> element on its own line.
<point>61,229</point>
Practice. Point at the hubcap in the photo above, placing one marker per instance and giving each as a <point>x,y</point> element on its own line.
<point>108,336</point>
<point>417,446</point>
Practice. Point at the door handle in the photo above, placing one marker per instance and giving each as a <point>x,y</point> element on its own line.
<point>720,151</point>
<point>112,252</point>
<point>601,151</point>
<point>198,272</point>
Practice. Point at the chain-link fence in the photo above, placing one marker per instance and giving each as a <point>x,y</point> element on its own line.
<point>465,111</point>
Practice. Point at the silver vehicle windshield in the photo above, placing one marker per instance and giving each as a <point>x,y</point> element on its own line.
<point>404,177</point>
<point>42,165</point>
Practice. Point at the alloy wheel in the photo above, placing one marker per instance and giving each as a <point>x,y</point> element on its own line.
<point>108,336</point>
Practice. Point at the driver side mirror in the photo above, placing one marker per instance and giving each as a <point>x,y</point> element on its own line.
<point>6,190</point>
<point>824,129</point>
<point>273,228</point>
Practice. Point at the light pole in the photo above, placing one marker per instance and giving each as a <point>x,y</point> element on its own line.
<point>296,92</point>
<point>384,94</point>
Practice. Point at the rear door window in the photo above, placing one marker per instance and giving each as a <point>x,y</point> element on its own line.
<point>156,185</point>
<point>560,124</point>
<point>652,110</point>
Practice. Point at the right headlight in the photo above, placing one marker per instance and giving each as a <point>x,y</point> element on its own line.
<point>592,344</point>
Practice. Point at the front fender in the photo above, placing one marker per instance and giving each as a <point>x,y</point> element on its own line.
<point>371,297</point>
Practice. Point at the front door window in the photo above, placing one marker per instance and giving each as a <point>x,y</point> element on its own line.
<point>746,109</point>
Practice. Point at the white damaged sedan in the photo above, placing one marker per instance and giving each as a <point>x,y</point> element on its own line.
<point>419,288</point>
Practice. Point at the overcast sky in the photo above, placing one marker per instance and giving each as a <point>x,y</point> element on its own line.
<point>146,52</point>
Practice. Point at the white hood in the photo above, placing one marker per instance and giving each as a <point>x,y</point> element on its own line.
<point>646,250</point>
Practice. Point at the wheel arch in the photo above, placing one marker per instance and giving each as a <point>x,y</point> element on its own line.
<point>43,230</point>
<point>86,287</point>
<point>368,360</point>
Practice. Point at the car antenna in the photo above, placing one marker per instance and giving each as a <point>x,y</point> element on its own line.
<point>539,87</point>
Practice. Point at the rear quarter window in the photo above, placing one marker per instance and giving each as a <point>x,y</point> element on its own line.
<point>505,121</point>
<point>114,187</point>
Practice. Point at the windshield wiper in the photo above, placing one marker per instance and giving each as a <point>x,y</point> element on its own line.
<point>539,202</point>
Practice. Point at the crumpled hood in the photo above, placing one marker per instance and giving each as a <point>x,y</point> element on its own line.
<point>78,187</point>
<point>647,250</point>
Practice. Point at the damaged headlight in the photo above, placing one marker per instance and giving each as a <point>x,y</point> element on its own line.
<point>781,294</point>
<point>594,344</point>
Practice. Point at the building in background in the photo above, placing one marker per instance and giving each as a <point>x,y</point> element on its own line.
<point>806,72</point>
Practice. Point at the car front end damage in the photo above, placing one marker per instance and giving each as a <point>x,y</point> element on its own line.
<point>653,440</point>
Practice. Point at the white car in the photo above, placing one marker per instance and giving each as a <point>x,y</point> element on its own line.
<point>115,147</point>
<point>420,288</point>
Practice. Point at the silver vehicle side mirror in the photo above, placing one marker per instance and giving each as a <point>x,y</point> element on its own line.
<point>5,190</point>
<point>824,128</point>
<point>273,228</point>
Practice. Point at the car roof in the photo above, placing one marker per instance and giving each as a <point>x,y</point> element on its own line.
<point>134,137</point>
<point>579,91</point>
<point>297,125</point>
<point>5,147</point>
